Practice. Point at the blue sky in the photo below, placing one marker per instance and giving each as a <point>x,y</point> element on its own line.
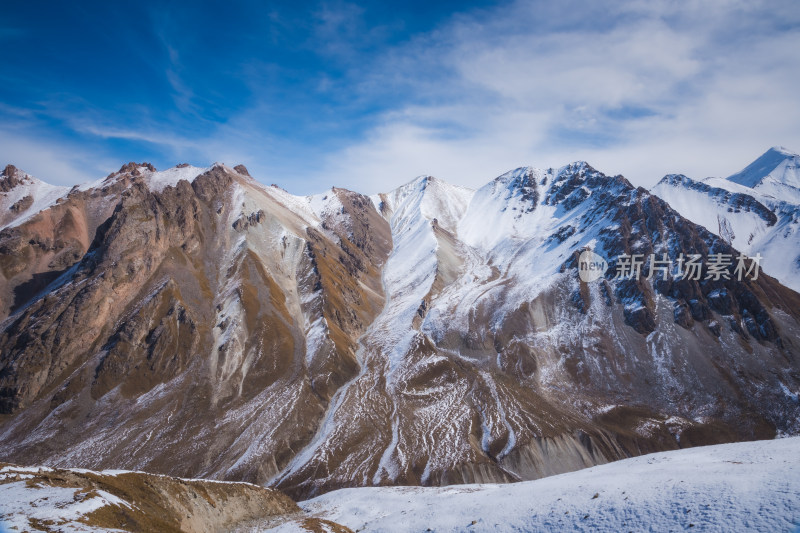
<point>369,95</point>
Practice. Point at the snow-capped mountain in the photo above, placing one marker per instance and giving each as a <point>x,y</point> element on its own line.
<point>197,323</point>
<point>776,173</point>
<point>22,196</point>
<point>757,210</point>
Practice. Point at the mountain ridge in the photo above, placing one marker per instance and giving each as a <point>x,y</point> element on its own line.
<point>436,335</point>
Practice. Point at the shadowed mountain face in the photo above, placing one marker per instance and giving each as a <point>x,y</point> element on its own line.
<point>196,323</point>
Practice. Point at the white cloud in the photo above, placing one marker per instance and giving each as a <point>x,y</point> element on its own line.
<point>52,162</point>
<point>642,89</point>
<point>639,87</point>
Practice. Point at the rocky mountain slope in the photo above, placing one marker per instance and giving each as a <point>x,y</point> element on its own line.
<point>757,210</point>
<point>196,323</point>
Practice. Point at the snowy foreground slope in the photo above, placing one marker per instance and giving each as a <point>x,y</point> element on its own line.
<point>752,486</point>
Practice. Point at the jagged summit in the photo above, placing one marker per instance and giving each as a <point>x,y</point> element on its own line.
<point>135,168</point>
<point>12,177</point>
<point>673,179</point>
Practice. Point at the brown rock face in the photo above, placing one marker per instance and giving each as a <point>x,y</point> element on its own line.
<point>133,168</point>
<point>22,205</point>
<point>10,178</point>
<point>219,328</point>
<point>165,304</point>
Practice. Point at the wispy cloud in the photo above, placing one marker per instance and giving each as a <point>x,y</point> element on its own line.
<point>162,139</point>
<point>338,94</point>
<point>642,89</point>
<point>54,161</point>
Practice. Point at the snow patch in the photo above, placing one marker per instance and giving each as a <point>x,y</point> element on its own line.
<point>753,486</point>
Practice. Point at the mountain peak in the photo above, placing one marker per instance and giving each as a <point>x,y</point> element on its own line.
<point>426,185</point>
<point>429,197</point>
<point>9,170</point>
<point>673,180</point>
<point>135,168</point>
<point>776,166</point>
<point>10,178</point>
<point>424,180</point>
<point>782,150</point>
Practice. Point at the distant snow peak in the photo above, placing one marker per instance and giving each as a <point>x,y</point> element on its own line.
<point>756,210</point>
<point>777,166</point>
<point>783,150</point>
